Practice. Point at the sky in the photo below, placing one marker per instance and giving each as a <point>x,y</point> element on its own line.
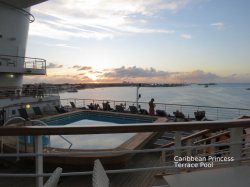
<point>151,41</point>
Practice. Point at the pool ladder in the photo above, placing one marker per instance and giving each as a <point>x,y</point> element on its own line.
<point>44,124</point>
<point>17,139</point>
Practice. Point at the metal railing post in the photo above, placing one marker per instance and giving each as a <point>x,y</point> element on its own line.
<point>17,148</point>
<point>39,160</point>
<point>189,151</point>
<point>236,147</point>
<point>163,156</point>
<point>177,143</point>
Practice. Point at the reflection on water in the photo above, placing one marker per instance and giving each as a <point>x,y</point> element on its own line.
<point>224,95</point>
<point>96,141</point>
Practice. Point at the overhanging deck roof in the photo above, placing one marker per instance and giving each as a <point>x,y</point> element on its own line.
<point>22,3</point>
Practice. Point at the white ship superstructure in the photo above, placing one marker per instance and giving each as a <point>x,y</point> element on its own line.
<point>15,18</point>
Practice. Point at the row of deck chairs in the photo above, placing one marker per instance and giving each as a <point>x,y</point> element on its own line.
<point>118,108</point>
<point>178,115</point>
<point>199,116</point>
<point>37,112</point>
<point>23,112</point>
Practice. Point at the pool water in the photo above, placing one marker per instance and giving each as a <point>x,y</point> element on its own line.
<point>92,141</point>
<point>98,116</point>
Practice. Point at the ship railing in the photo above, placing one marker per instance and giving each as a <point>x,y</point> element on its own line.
<point>29,62</point>
<point>237,146</point>
<point>35,64</point>
<point>27,91</point>
<point>39,90</point>
<point>211,112</point>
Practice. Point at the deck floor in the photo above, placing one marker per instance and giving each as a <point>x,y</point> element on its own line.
<point>135,179</point>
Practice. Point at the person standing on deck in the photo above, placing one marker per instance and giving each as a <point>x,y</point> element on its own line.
<point>151,107</point>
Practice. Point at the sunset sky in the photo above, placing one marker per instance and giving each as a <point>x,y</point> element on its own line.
<point>142,41</point>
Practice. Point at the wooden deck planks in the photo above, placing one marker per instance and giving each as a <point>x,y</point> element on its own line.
<point>135,179</point>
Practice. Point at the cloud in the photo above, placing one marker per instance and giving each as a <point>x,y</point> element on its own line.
<point>198,76</point>
<point>134,71</point>
<point>100,19</point>
<point>53,65</point>
<point>57,79</point>
<point>84,68</point>
<point>186,36</point>
<point>66,46</point>
<point>138,74</point>
<point>151,75</point>
<point>76,66</point>
<point>218,25</point>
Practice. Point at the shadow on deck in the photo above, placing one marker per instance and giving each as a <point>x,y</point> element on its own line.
<point>134,179</point>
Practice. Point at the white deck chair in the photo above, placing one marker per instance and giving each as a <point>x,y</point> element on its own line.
<point>99,178</point>
<point>54,178</point>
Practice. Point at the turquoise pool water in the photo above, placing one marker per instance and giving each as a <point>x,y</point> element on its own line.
<point>96,141</point>
<point>114,118</point>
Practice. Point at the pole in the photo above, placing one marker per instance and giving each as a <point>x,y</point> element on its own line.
<point>39,160</point>
<point>137,95</point>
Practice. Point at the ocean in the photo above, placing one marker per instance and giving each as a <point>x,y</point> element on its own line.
<point>220,95</point>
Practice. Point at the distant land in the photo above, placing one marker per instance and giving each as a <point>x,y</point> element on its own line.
<point>207,84</point>
<point>100,85</point>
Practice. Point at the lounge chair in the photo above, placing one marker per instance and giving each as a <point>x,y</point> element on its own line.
<point>106,107</point>
<point>92,106</point>
<point>143,111</point>
<point>133,109</point>
<point>60,109</point>
<point>119,108</point>
<point>23,113</point>
<point>161,113</point>
<point>73,105</point>
<point>99,178</point>
<point>179,114</point>
<point>199,115</point>
<point>37,111</point>
<point>54,178</point>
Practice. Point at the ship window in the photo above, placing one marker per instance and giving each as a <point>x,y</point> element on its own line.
<point>13,112</point>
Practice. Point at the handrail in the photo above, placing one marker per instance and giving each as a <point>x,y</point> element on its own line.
<point>17,143</point>
<point>14,118</point>
<point>158,127</point>
<point>35,91</point>
<point>122,151</point>
<point>111,171</point>
<point>211,112</point>
<point>125,128</point>
<point>26,60</point>
<point>45,124</point>
<point>171,104</point>
<point>22,57</point>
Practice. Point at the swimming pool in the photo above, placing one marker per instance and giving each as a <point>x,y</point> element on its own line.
<point>96,141</point>
<point>105,117</point>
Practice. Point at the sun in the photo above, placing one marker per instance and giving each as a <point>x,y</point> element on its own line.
<point>93,77</point>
